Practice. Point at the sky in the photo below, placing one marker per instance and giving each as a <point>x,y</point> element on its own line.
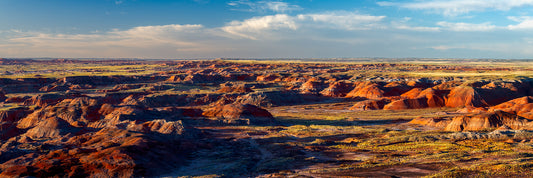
<point>193,29</point>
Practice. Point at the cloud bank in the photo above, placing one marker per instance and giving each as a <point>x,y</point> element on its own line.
<point>458,7</point>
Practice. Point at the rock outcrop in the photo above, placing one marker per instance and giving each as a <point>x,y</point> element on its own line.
<point>231,88</point>
<point>367,90</point>
<point>251,113</point>
<point>370,105</point>
<point>337,89</point>
<point>520,106</point>
<point>489,120</point>
<point>462,96</point>
<point>312,86</point>
<point>401,104</point>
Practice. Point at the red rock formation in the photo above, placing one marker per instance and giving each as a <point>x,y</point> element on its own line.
<point>77,112</point>
<point>254,114</point>
<point>266,78</point>
<point>433,122</point>
<point>401,104</point>
<point>495,93</point>
<point>231,88</point>
<point>470,109</point>
<point>417,98</point>
<point>337,89</point>
<point>223,100</point>
<point>370,105</point>
<point>175,78</point>
<point>313,86</point>
<point>447,85</point>
<point>395,88</point>
<point>413,93</point>
<point>49,128</point>
<point>434,98</point>
<point>106,153</point>
<point>159,126</point>
<point>366,90</point>
<point>462,96</point>
<point>45,99</point>
<point>483,121</point>
<point>120,117</point>
<point>520,106</point>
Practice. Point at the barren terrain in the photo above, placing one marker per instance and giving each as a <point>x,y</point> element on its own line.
<point>266,118</point>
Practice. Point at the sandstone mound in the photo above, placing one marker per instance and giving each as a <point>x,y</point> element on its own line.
<point>77,112</point>
<point>462,96</point>
<point>266,78</point>
<point>497,92</point>
<point>50,128</point>
<point>395,88</point>
<point>313,86</point>
<point>337,89</point>
<point>106,153</point>
<point>121,117</point>
<point>483,121</point>
<point>45,99</point>
<point>254,114</point>
<point>470,109</point>
<point>366,90</point>
<point>449,85</point>
<point>175,78</point>
<point>407,104</point>
<point>231,88</point>
<point>276,98</point>
<point>159,126</point>
<point>520,106</point>
<point>370,105</point>
<point>257,99</point>
<point>413,93</point>
<point>434,98</point>
<point>433,122</point>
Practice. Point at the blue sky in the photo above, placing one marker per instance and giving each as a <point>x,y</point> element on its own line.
<point>267,28</point>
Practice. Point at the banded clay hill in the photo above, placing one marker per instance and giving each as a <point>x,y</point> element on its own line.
<point>242,118</point>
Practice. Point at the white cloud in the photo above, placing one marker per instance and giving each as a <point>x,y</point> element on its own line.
<point>466,27</point>
<point>162,34</point>
<point>525,23</point>
<point>259,26</point>
<point>343,20</point>
<point>262,6</point>
<point>456,7</point>
<point>411,28</point>
<point>264,27</point>
<point>506,48</point>
<point>115,43</point>
<point>402,25</point>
